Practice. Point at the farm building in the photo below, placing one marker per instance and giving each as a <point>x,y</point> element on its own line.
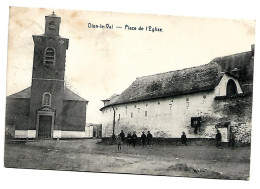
<point>197,100</point>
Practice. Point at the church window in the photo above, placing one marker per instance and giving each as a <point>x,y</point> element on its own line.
<point>231,88</point>
<point>49,58</point>
<point>118,117</point>
<point>46,99</point>
<point>132,115</point>
<point>145,113</point>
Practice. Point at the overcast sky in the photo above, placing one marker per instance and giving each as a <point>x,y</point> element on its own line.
<point>101,62</point>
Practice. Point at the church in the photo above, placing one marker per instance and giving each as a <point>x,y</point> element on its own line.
<point>47,109</point>
<point>198,101</point>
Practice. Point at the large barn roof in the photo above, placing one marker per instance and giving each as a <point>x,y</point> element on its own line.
<point>26,94</point>
<point>244,62</point>
<point>190,80</point>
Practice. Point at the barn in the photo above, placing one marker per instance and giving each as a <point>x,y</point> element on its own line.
<point>47,109</point>
<point>197,101</point>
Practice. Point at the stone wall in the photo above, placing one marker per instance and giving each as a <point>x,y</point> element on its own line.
<point>74,115</point>
<point>17,113</point>
<point>167,118</point>
<point>239,112</point>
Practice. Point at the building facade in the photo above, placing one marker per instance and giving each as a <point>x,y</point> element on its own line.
<point>197,101</point>
<point>47,109</point>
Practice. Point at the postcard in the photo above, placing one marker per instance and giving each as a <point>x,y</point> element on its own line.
<point>129,93</point>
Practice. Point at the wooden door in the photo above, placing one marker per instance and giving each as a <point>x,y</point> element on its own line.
<point>45,123</point>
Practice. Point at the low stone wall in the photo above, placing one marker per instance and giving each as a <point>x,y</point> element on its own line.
<point>242,132</point>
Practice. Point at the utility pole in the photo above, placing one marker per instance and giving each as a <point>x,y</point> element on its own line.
<point>114,123</point>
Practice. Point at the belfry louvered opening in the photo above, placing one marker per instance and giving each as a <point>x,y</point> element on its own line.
<point>49,58</point>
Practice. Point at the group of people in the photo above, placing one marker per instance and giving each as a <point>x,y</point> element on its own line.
<point>131,139</point>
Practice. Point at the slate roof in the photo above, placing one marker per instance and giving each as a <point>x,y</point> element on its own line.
<point>68,95</point>
<point>26,93</point>
<point>190,80</point>
<point>112,99</point>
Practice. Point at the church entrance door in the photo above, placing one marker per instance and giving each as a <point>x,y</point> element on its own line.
<point>44,126</point>
<point>45,122</point>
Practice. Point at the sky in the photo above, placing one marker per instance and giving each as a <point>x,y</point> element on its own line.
<point>101,62</point>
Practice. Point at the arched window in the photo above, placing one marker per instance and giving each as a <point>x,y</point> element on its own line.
<point>52,25</point>
<point>46,99</point>
<point>49,58</point>
<point>231,88</point>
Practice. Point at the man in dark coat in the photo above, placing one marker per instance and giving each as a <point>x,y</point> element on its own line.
<point>184,139</point>
<point>143,138</point>
<point>218,139</point>
<point>149,138</point>
<point>122,135</point>
<point>129,139</point>
<point>232,141</point>
<point>134,139</point>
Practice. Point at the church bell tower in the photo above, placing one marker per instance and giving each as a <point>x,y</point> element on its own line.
<point>47,89</point>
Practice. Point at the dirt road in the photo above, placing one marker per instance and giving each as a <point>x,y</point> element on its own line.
<point>88,155</point>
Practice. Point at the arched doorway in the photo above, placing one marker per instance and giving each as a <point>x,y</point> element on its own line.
<point>231,88</point>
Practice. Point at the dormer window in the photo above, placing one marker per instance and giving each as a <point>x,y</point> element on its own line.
<point>49,58</point>
<point>52,25</point>
<point>231,88</point>
<point>46,99</point>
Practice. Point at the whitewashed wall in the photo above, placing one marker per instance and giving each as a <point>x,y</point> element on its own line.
<point>166,117</point>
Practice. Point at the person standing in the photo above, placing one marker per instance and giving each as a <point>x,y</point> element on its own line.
<point>149,138</point>
<point>119,142</point>
<point>134,139</point>
<point>184,139</point>
<point>129,139</point>
<point>218,139</point>
<point>232,141</point>
<point>122,135</point>
<point>143,138</point>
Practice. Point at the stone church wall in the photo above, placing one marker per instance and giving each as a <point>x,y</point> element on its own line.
<point>17,113</point>
<point>74,116</point>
